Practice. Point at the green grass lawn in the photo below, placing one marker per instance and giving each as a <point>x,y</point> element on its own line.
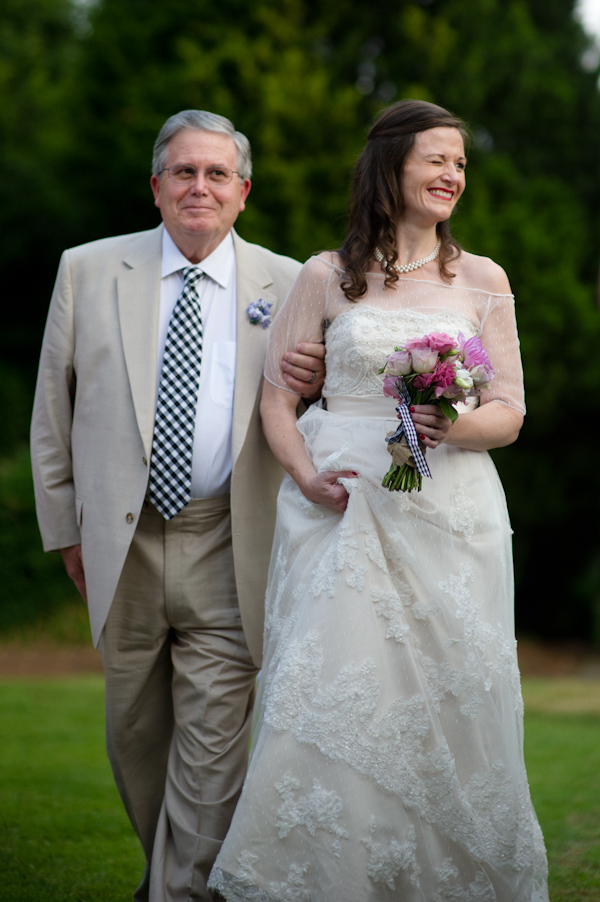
<point>562,750</point>
<point>64,835</point>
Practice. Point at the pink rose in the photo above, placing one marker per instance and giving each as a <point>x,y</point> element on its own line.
<point>399,363</point>
<point>425,380</point>
<point>390,388</point>
<point>424,360</point>
<point>436,341</point>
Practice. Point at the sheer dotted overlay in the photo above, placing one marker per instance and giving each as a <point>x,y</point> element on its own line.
<point>359,333</point>
<point>387,762</point>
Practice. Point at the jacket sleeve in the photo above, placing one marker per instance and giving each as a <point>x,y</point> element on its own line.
<point>52,421</point>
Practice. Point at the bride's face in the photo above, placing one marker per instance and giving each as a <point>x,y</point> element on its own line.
<point>433,178</point>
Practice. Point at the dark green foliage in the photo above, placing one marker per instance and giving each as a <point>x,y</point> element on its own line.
<point>32,583</point>
<point>38,53</point>
<point>87,86</point>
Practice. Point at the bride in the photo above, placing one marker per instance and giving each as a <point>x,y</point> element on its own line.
<point>387,760</point>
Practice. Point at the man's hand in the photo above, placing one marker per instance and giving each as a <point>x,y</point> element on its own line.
<point>304,369</point>
<point>74,566</point>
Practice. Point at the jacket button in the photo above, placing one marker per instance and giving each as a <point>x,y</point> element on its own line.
<point>144,461</point>
<point>130,518</point>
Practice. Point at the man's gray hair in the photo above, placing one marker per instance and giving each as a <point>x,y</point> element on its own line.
<point>206,122</point>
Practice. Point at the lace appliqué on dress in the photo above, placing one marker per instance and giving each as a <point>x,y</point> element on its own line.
<point>310,508</point>
<point>294,888</point>
<point>387,861</point>
<point>339,556</point>
<point>451,890</point>
<point>464,510</point>
<point>319,810</point>
<point>242,888</point>
<point>390,604</point>
<point>341,720</point>
<point>490,639</point>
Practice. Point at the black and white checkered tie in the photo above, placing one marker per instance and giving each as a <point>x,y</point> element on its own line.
<point>170,480</point>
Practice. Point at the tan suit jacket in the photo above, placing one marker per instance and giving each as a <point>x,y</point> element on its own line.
<point>94,414</point>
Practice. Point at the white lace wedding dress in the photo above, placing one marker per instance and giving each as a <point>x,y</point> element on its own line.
<point>387,762</point>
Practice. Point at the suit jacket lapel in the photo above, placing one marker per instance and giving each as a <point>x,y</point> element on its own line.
<point>253,281</point>
<point>138,289</point>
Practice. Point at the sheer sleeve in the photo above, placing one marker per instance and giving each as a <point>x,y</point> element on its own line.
<point>500,340</point>
<point>300,318</point>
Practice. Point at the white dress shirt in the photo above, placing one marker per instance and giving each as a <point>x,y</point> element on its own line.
<point>211,460</point>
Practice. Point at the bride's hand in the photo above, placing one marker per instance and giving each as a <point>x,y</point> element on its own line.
<point>323,488</point>
<point>431,423</point>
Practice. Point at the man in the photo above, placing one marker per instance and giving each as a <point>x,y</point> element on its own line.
<point>154,481</point>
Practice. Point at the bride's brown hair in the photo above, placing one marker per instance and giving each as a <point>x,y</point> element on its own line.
<point>376,199</point>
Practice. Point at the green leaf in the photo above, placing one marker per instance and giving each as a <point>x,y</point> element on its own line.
<point>448,409</point>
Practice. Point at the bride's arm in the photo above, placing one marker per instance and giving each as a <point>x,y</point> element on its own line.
<point>499,417</point>
<point>278,412</point>
<point>493,425</point>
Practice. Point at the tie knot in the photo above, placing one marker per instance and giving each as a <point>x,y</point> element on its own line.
<point>192,275</point>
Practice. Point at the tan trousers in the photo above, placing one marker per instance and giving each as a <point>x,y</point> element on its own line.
<point>179,693</point>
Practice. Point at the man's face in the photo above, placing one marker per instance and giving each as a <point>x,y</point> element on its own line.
<point>199,215</point>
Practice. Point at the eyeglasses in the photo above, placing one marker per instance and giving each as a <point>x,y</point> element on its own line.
<point>185,175</point>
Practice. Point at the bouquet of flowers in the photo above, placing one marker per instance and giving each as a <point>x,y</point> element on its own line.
<point>435,369</point>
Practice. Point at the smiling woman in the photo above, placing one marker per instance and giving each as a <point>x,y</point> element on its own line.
<point>434,180</point>
<point>388,761</point>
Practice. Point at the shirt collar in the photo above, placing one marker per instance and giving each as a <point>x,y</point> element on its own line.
<point>219,265</point>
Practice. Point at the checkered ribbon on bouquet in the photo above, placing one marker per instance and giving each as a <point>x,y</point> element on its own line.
<point>170,479</point>
<point>407,429</point>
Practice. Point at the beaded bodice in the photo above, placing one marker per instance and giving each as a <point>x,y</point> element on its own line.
<point>359,340</point>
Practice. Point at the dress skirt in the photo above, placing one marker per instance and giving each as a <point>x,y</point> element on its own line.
<point>388,753</point>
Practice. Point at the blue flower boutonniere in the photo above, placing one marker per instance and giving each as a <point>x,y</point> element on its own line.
<point>259,313</point>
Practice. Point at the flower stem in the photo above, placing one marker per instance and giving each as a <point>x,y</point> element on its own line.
<point>402,479</point>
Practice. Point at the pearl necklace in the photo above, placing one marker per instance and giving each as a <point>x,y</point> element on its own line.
<point>409,267</point>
